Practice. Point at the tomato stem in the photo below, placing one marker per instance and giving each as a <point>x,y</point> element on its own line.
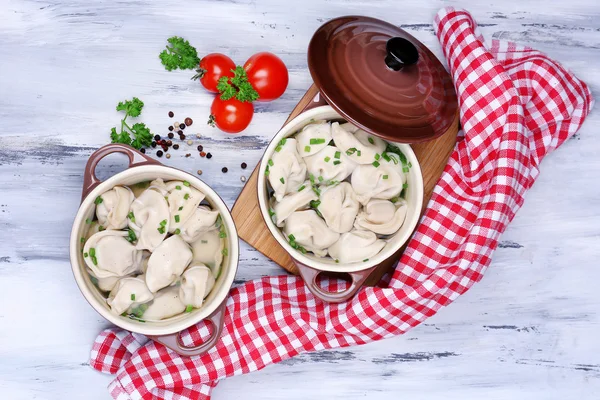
<point>211,120</point>
<point>199,74</point>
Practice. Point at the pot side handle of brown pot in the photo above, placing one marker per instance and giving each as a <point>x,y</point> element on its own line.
<point>90,181</point>
<point>309,275</point>
<point>174,342</point>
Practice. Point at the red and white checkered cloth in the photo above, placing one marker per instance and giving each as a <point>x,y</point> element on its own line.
<point>516,105</point>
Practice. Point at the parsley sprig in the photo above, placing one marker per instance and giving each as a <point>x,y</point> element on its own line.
<point>179,54</point>
<point>140,132</point>
<point>238,86</point>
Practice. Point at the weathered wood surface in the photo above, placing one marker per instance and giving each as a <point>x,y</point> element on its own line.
<point>529,330</point>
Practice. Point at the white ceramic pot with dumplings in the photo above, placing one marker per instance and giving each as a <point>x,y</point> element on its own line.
<point>143,168</point>
<point>310,266</point>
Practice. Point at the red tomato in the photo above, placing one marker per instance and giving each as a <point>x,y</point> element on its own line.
<point>212,67</point>
<point>267,74</point>
<point>231,116</point>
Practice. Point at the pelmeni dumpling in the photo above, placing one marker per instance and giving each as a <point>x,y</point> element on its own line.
<point>382,217</point>
<point>208,250</point>
<point>108,253</point>
<point>286,168</point>
<point>382,182</point>
<point>201,221</point>
<point>196,283</point>
<point>167,263</point>
<point>183,200</point>
<point>355,246</point>
<point>359,145</point>
<point>339,207</point>
<point>313,138</point>
<point>150,213</point>
<point>310,231</point>
<point>330,164</point>
<point>166,304</point>
<point>294,202</point>
<point>112,211</point>
<point>128,292</point>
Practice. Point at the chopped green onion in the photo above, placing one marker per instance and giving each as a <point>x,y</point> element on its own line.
<point>270,162</point>
<point>371,140</point>
<point>385,177</point>
<point>377,156</point>
<point>315,203</point>
<point>82,240</point>
<point>337,154</point>
<point>131,237</point>
<point>131,216</point>
<point>278,149</point>
<point>358,153</point>
<point>180,208</point>
<point>386,157</point>
<point>271,212</point>
<point>307,149</point>
<point>337,162</point>
<point>331,182</point>
<point>92,252</point>
<point>189,308</point>
<point>224,251</point>
<point>177,231</point>
<point>167,198</point>
<point>301,188</point>
<point>321,179</point>
<point>163,222</point>
<point>312,178</point>
<point>376,164</point>
<point>282,142</point>
<point>267,172</point>
<point>317,141</point>
<point>88,221</point>
<point>222,235</point>
<point>292,238</point>
<point>351,151</point>
<point>161,230</point>
<point>405,169</point>
<point>204,241</point>
<point>337,261</point>
<point>177,218</point>
<point>94,260</point>
<point>85,255</point>
<point>98,200</point>
<point>327,159</point>
<point>282,180</point>
<point>101,228</point>
<point>409,164</point>
<point>365,260</point>
<point>186,196</point>
<point>316,190</point>
<point>405,186</point>
<point>186,183</point>
<point>132,296</point>
<point>178,187</point>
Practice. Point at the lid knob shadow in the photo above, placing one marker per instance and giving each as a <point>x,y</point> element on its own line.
<point>400,53</point>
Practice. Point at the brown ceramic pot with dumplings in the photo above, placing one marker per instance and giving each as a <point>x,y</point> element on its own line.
<point>168,332</point>
<point>382,80</point>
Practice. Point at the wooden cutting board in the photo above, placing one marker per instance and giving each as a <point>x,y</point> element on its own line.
<point>251,227</point>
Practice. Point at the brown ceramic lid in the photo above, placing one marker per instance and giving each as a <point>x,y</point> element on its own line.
<point>382,79</point>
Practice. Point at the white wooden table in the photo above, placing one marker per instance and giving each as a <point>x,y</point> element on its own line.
<point>529,330</point>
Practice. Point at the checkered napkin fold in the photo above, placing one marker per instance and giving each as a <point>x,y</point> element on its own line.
<point>516,106</point>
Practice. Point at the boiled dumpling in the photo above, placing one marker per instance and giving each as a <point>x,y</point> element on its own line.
<point>149,219</point>
<point>313,138</point>
<point>208,250</point>
<point>330,164</point>
<point>286,169</point>
<point>166,304</point>
<point>384,181</point>
<point>201,221</point>
<point>183,200</point>
<point>112,211</point>
<point>382,217</point>
<point>108,253</point>
<point>359,145</point>
<point>355,246</point>
<point>105,284</point>
<point>167,263</point>
<point>128,292</point>
<point>307,229</point>
<point>339,207</point>
<point>196,283</point>
<point>294,202</point>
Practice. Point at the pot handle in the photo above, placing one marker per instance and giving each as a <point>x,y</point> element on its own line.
<point>309,275</point>
<point>316,101</point>
<point>90,181</point>
<point>174,342</point>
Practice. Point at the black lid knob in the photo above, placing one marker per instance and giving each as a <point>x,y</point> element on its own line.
<point>400,52</point>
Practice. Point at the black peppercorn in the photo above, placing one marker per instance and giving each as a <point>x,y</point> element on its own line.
<point>153,144</point>
<point>171,114</point>
<point>200,147</point>
<point>244,165</point>
<point>176,146</point>
<point>181,126</point>
<point>224,169</point>
<point>143,150</point>
<point>157,137</point>
<point>182,136</point>
<point>170,135</point>
<point>159,153</point>
<point>180,133</point>
<point>208,155</point>
<point>188,121</point>
<point>171,128</point>
<point>169,143</point>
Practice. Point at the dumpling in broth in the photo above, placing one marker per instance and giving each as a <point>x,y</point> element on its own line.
<point>287,170</point>
<point>109,254</point>
<point>298,200</point>
<point>208,250</point>
<point>382,217</point>
<point>355,246</point>
<point>310,231</point>
<point>196,283</point>
<point>313,138</point>
<point>112,211</point>
<point>166,304</point>
<point>183,200</point>
<point>382,182</point>
<point>167,263</point>
<point>339,207</point>
<point>330,164</point>
<point>128,292</point>
<point>201,221</point>
<point>357,144</point>
<point>149,213</point>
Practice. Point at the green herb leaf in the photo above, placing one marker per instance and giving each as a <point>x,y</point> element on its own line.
<point>98,200</point>
<point>336,162</point>
<point>179,54</point>
<point>376,164</point>
<point>327,159</point>
<point>237,86</point>
<point>186,183</point>
<point>317,141</point>
<point>337,155</point>
<point>92,252</point>
<point>377,156</point>
<point>384,176</point>
<point>270,162</point>
<point>85,255</point>
<point>177,231</point>
<point>132,108</point>
<point>315,203</point>
<point>132,296</point>
<point>301,188</point>
<point>307,149</point>
<point>281,180</point>
<point>225,88</point>
<point>186,196</point>
<point>371,140</point>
